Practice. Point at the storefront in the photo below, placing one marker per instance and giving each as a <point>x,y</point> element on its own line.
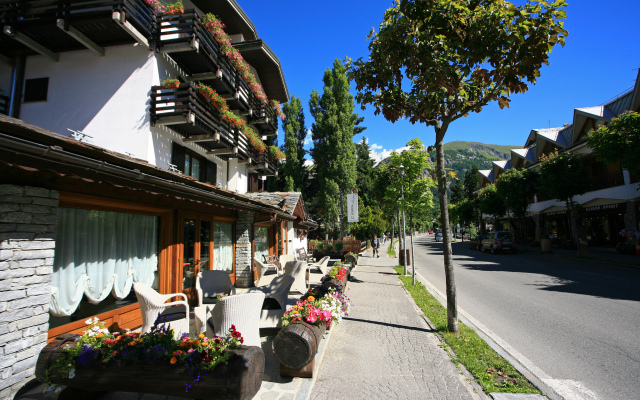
<point>603,223</point>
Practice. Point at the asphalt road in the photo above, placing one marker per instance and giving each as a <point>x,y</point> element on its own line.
<point>576,323</point>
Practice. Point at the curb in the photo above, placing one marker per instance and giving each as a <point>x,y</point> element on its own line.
<point>521,363</point>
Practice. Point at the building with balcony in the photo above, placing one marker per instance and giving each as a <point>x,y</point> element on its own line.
<point>611,204</point>
<point>108,177</point>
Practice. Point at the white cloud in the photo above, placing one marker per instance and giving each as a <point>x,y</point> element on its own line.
<point>308,163</point>
<point>379,153</point>
<point>375,147</point>
<point>308,139</point>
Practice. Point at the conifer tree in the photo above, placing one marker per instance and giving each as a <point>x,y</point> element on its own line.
<point>334,152</point>
<point>294,174</point>
<point>364,166</point>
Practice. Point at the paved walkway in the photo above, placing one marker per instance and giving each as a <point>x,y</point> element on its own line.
<point>384,349</point>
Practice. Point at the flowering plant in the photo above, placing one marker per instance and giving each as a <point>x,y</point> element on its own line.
<point>277,108</point>
<point>170,83</point>
<point>174,9</point>
<point>337,272</point>
<point>216,100</point>
<point>198,355</point>
<point>308,311</point>
<point>277,153</point>
<point>336,302</point>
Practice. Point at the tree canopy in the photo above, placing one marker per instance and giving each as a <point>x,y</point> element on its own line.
<point>295,132</point>
<point>434,61</point>
<point>619,141</point>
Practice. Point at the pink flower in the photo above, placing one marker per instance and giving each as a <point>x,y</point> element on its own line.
<point>311,318</point>
<point>190,351</point>
<point>327,315</point>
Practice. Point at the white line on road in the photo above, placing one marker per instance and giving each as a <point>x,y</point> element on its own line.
<point>556,389</point>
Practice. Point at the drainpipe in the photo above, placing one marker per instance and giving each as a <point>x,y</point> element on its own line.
<point>17,82</point>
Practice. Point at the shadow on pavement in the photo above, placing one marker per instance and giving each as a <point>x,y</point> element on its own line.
<point>412,328</point>
<point>569,275</point>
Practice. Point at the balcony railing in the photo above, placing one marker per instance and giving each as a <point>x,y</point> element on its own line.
<point>266,165</point>
<point>186,40</point>
<point>193,116</point>
<point>4,105</point>
<point>33,24</point>
<point>607,180</point>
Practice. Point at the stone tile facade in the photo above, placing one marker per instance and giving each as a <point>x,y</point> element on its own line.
<point>28,217</point>
<point>244,236</point>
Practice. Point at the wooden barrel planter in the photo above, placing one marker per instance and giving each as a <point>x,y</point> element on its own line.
<point>295,347</point>
<point>240,378</point>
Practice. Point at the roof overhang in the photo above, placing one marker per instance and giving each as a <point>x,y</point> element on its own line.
<point>267,64</point>
<point>602,202</point>
<point>553,209</point>
<point>232,15</point>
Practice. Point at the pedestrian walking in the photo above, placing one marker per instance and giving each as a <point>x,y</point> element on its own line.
<point>384,238</point>
<point>375,245</point>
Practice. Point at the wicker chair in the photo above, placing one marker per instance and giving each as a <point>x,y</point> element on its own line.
<point>241,310</point>
<point>262,269</point>
<point>153,307</point>
<point>297,269</point>
<point>275,302</point>
<point>211,283</point>
<point>285,258</point>
<point>322,265</point>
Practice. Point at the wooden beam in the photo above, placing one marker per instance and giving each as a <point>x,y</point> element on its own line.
<point>202,138</point>
<point>218,152</point>
<point>202,77</point>
<point>119,17</point>
<point>80,37</point>
<point>247,161</point>
<point>32,44</point>
<point>234,96</point>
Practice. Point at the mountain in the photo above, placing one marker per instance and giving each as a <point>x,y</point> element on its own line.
<point>460,156</point>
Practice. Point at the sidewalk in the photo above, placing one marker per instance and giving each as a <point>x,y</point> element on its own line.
<point>597,254</point>
<point>384,349</point>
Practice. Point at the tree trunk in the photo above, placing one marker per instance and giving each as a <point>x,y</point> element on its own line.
<point>413,256</point>
<point>400,245</point>
<point>392,229</point>
<point>452,304</point>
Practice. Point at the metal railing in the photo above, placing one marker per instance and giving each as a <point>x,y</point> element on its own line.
<point>605,181</point>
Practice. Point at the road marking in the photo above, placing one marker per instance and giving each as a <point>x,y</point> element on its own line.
<point>556,389</point>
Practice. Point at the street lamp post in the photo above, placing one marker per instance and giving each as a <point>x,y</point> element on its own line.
<point>404,233</point>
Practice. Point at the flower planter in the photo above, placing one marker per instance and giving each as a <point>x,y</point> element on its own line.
<point>295,347</point>
<point>240,378</point>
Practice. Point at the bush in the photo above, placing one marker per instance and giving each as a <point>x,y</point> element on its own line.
<point>319,245</point>
<point>329,246</point>
<point>625,248</point>
<point>339,246</point>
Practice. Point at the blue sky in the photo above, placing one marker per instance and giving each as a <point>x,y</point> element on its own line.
<point>599,61</point>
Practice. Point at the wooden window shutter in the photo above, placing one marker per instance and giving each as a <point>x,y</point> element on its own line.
<point>177,156</point>
<point>253,183</point>
<point>212,173</point>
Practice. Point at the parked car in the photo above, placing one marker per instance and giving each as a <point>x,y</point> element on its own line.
<point>476,241</point>
<point>438,237</point>
<point>499,241</point>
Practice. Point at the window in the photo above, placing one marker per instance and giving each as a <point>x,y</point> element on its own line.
<point>261,240</point>
<point>98,257</point>
<point>192,164</point>
<point>36,89</point>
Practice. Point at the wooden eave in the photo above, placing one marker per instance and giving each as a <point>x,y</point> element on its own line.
<point>264,60</point>
<point>232,15</point>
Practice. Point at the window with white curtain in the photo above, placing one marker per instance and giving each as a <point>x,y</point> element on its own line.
<point>261,240</point>
<point>223,246</point>
<point>98,257</point>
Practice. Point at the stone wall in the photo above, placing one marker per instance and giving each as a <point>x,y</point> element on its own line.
<point>244,233</point>
<point>28,218</point>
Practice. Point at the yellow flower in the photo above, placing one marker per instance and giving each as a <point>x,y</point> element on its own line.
<point>311,298</point>
<point>201,336</point>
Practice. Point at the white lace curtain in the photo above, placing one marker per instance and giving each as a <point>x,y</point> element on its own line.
<point>100,253</point>
<point>261,240</point>
<point>223,246</point>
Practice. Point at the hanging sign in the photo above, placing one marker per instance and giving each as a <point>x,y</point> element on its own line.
<point>352,207</point>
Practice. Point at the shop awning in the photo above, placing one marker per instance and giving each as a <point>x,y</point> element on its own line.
<point>553,209</point>
<point>602,202</point>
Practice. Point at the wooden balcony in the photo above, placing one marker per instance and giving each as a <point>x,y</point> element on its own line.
<point>265,164</point>
<point>604,181</point>
<point>4,105</point>
<point>48,27</point>
<point>190,114</point>
<point>185,40</point>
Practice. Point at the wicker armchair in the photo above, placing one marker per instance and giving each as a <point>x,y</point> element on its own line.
<point>241,310</point>
<point>153,307</point>
<point>297,269</point>
<point>211,283</point>
<point>275,302</point>
<point>322,265</point>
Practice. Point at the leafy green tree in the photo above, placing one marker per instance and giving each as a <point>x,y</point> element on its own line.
<point>435,61</point>
<point>619,141</point>
<point>564,176</point>
<point>371,222</point>
<point>516,187</point>
<point>364,166</point>
<point>293,171</point>
<point>471,183</point>
<point>491,203</point>
<point>457,191</point>
<point>334,152</point>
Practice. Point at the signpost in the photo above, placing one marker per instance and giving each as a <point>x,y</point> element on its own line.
<point>352,207</point>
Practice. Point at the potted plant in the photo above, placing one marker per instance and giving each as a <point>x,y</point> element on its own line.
<point>170,83</point>
<point>174,8</point>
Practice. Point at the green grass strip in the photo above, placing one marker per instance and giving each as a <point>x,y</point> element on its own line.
<point>392,249</point>
<point>491,371</point>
